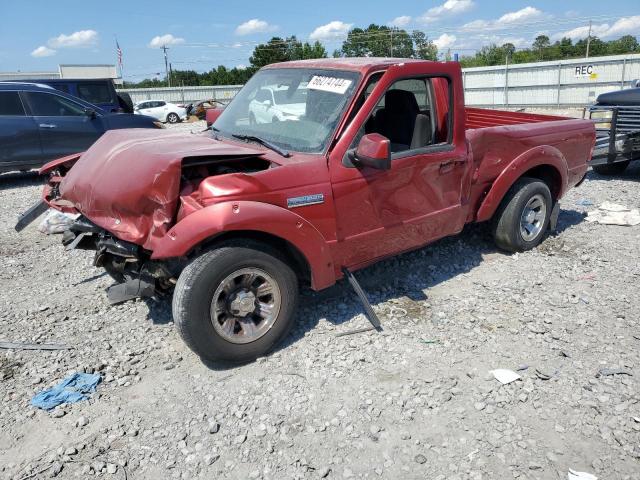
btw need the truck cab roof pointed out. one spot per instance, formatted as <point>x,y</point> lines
<point>358,64</point>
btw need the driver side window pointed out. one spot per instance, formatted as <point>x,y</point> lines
<point>404,115</point>
<point>407,116</point>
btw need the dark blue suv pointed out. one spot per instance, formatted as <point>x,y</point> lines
<point>39,123</point>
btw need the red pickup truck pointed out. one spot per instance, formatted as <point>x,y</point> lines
<point>362,159</point>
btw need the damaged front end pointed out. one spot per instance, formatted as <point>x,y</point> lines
<point>129,189</point>
<point>127,263</point>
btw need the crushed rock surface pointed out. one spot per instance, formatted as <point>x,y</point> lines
<point>415,401</point>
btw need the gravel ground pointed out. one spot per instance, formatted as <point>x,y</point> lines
<point>415,401</point>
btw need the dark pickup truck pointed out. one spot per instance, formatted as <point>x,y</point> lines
<point>380,158</point>
<point>617,117</point>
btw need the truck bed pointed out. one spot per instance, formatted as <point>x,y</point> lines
<point>482,118</point>
<point>497,138</point>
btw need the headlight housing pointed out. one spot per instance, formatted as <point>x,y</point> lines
<point>601,114</point>
<point>602,118</point>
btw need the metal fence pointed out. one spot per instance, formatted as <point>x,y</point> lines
<point>223,94</point>
<point>566,83</point>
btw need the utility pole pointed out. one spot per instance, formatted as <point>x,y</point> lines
<point>588,40</point>
<point>392,42</point>
<point>164,48</point>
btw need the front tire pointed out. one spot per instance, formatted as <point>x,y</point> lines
<point>522,219</point>
<point>611,168</point>
<point>235,302</point>
<point>173,118</point>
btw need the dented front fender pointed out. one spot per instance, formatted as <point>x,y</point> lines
<point>249,216</point>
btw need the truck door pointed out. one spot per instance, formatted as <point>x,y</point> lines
<point>420,198</point>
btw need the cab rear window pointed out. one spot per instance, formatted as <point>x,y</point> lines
<point>95,92</point>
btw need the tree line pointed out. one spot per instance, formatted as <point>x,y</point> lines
<point>543,50</point>
<point>383,41</point>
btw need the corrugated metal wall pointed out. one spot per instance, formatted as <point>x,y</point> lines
<point>567,83</point>
<point>183,94</point>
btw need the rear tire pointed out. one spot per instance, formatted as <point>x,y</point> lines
<point>522,219</point>
<point>173,118</point>
<point>216,287</point>
<point>611,168</point>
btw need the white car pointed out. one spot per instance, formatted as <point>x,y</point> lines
<point>274,104</point>
<point>163,111</point>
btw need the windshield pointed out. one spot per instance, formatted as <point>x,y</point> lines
<point>294,108</point>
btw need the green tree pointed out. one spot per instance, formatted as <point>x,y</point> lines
<point>274,51</point>
<point>378,41</point>
<point>596,47</point>
<point>423,47</point>
<point>540,44</point>
<point>509,49</point>
<point>625,44</point>
<point>297,50</point>
<point>281,50</point>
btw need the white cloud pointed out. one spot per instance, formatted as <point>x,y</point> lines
<point>82,38</point>
<point>450,7</point>
<point>331,30</point>
<point>523,15</point>
<point>623,26</point>
<point>254,26</point>
<point>401,21</point>
<point>445,41</point>
<point>510,19</point>
<point>165,40</point>
<point>43,51</point>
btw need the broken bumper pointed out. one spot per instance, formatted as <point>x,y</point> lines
<point>129,264</point>
<point>29,215</point>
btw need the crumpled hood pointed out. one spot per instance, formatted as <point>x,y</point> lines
<point>128,182</point>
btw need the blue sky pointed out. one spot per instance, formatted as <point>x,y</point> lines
<point>37,35</point>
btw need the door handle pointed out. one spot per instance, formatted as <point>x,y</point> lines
<point>47,125</point>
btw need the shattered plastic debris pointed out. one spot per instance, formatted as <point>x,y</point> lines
<point>613,214</point>
<point>505,376</point>
<point>71,390</point>
<point>56,222</point>
<point>574,475</point>
<point>584,202</point>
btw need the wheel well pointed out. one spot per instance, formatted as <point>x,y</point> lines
<point>549,175</point>
<point>294,257</point>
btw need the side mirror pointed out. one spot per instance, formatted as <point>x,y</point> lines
<point>90,112</point>
<point>374,151</point>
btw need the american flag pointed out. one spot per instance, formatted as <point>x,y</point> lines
<point>119,53</point>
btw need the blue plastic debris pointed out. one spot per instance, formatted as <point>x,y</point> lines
<point>584,202</point>
<point>71,390</point>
